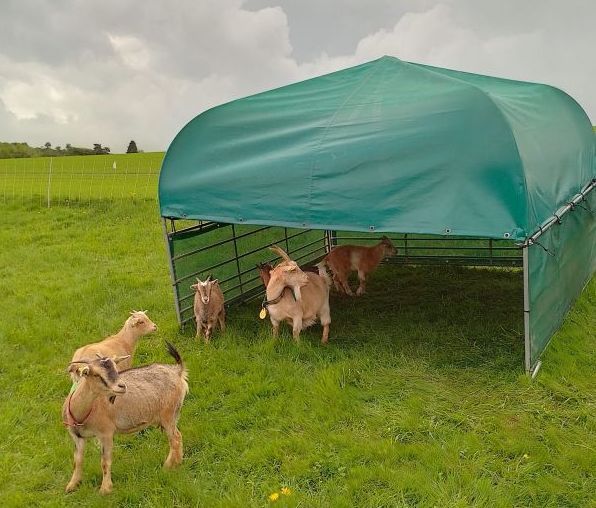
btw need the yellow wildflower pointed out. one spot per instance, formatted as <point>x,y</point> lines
<point>286,491</point>
<point>274,496</point>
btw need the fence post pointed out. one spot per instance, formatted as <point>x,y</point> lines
<point>50,181</point>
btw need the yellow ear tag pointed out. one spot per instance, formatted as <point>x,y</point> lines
<point>263,313</point>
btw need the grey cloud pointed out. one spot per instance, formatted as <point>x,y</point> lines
<point>82,72</point>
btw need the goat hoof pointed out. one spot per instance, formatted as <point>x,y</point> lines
<point>172,464</point>
<point>70,487</point>
<point>105,490</point>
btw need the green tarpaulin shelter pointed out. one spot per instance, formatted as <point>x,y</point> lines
<point>392,146</point>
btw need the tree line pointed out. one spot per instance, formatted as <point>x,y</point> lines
<point>23,150</point>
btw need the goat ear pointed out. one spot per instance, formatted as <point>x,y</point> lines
<point>214,281</point>
<point>81,370</point>
<point>118,359</point>
<point>195,287</point>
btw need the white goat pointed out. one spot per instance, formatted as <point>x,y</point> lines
<point>298,297</point>
<point>122,343</point>
<point>208,307</point>
<point>106,402</point>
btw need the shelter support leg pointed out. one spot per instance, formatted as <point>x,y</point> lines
<point>330,239</point>
<point>527,349</point>
<point>171,267</point>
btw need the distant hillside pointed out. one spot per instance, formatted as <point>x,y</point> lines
<point>23,150</point>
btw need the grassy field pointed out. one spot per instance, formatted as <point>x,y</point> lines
<point>79,179</point>
<point>419,399</point>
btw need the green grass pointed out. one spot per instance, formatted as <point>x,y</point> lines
<point>419,400</point>
<point>79,179</point>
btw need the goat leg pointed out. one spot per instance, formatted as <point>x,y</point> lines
<point>362,287</point>
<point>297,328</point>
<point>77,474</point>
<point>325,337</point>
<point>107,443</point>
<point>222,320</point>
<point>275,325</point>
<point>346,286</point>
<point>175,455</point>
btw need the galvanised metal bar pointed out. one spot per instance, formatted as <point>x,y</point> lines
<point>286,237</point>
<point>197,229</point>
<point>455,260</point>
<point>406,245</point>
<point>172,271</point>
<point>410,239</point>
<point>237,258</point>
<point>558,215</point>
<point>222,263</point>
<point>527,345</point>
<point>490,246</point>
<point>217,244</point>
<point>306,245</point>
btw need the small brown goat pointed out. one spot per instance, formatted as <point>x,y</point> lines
<point>348,258</point>
<point>208,307</point>
<point>106,402</point>
<point>282,301</point>
<point>121,344</point>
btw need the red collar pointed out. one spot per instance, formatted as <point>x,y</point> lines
<point>70,419</point>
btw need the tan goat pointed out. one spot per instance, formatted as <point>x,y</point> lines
<point>105,402</point>
<point>208,307</point>
<point>344,259</point>
<point>281,300</point>
<point>121,344</point>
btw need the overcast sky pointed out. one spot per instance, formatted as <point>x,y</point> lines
<point>81,72</point>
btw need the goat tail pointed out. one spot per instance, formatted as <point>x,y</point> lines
<point>174,353</point>
<point>183,372</point>
<point>321,266</point>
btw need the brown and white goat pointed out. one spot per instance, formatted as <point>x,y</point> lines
<point>283,303</point>
<point>344,259</point>
<point>122,343</point>
<point>208,307</point>
<point>106,402</point>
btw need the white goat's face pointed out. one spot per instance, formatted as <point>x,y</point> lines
<point>141,322</point>
<point>204,289</point>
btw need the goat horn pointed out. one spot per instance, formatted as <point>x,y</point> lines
<point>278,250</point>
<point>86,362</point>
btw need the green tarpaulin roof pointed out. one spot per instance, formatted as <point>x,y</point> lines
<point>388,146</point>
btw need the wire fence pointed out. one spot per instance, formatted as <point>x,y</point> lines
<point>48,181</point>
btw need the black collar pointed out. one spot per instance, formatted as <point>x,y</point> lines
<point>266,302</point>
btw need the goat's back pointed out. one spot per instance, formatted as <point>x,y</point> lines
<point>151,391</point>
<point>344,258</point>
<point>315,295</point>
